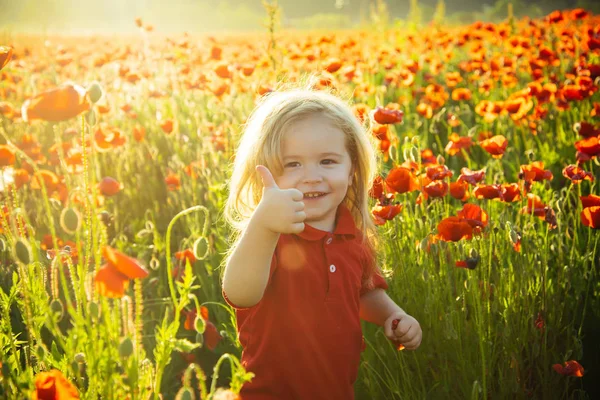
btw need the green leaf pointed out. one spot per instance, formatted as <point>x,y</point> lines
<point>184,345</point>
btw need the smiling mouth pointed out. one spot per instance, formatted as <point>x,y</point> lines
<point>314,195</point>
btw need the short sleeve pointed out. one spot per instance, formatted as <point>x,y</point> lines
<point>271,272</point>
<point>372,277</point>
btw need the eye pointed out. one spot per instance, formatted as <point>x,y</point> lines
<point>292,164</point>
<point>328,161</point>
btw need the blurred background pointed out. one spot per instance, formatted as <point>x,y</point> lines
<point>116,16</point>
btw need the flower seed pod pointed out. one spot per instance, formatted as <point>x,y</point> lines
<point>126,347</point>
<point>22,251</point>
<point>57,308</point>
<point>70,220</point>
<point>185,394</point>
<point>94,92</point>
<point>200,248</point>
<point>199,324</point>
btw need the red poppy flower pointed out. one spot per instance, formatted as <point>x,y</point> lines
<point>186,255</point>
<point>438,172</point>
<point>471,177</point>
<point>59,104</point>
<point>459,190</point>
<point>5,55</point>
<point>589,146</point>
<point>109,186</point>
<point>436,188</point>
<point>387,116</point>
<point>495,145</point>
<point>590,216</point>
<point>457,143</point>
<point>473,215</point>
<point>383,213</point>
<point>7,156</point>
<point>173,182</point>
<point>535,172</point>
<point>488,192</point>
<point>576,174</point>
<point>453,229</point>
<point>376,191</point>
<point>570,368</point>
<point>586,130</point>
<point>112,279</point>
<point>590,201</point>
<point>401,180</point>
<point>510,192</point>
<point>53,385</point>
<point>167,126</point>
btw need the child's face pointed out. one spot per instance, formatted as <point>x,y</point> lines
<point>316,162</point>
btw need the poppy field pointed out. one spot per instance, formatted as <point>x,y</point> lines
<point>115,153</point>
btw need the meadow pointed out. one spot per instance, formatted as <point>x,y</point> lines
<point>115,153</point>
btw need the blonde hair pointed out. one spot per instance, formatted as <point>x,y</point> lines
<point>261,145</point>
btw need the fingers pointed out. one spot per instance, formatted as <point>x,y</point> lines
<point>300,216</point>
<point>297,227</point>
<point>296,194</point>
<point>266,176</point>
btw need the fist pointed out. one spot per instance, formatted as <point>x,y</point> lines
<point>279,210</point>
<point>404,330</point>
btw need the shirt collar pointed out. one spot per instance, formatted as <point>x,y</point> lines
<point>344,226</point>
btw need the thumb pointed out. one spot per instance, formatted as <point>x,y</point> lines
<point>266,176</point>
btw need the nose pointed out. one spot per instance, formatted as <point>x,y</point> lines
<point>312,175</point>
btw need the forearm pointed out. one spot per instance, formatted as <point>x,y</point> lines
<point>376,306</point>
<point>247,271</point>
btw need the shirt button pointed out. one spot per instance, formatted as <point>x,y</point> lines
<point>332,268</point>
<point>329,240</point>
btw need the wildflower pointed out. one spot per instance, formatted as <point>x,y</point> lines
<point>590,216</point>
<point>495,145</point>
<point>453,229</point>
<point>401,180</point>
<point>109,186</point>
<point>387,212</point>
<point>457,143</point>
<point>53,385</point>
<point>7,156</point>
<point>570,368</point>
<point>112,279</point>
<point>5,55</point>
<point>471,177</point>
<point>59,104</point>
<point>576,174</point>
<point>387,116</point>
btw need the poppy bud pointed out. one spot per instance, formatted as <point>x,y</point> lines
<point>70,220</point>
<point>57,308</point>
<point>473,253</point>
<point>514,236</point>
<point>94,91</point>
<point>414,141</point>
<point>41,352</point>
<point>185,394</point>
<point>199,324</point>
<point>154,263</point>
<point>3,246</point>
<point>79,358</point>
<point>94,310</point>
<point>200,248</point>
<point>126,347</point>
<point>22,251</point>
<point>440,159</point>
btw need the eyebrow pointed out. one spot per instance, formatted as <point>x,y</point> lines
<point>321,155</point>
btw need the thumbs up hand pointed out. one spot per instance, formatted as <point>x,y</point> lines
<point>279,210</point>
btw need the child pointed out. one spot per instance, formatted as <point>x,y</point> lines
<point>302,272</point>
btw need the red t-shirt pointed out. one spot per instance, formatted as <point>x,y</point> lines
<point>303,339</point>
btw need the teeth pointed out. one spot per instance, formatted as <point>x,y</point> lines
<point>313,194</point>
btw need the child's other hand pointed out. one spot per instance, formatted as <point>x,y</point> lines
<point>280,210</point>
<point>407,330</point>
